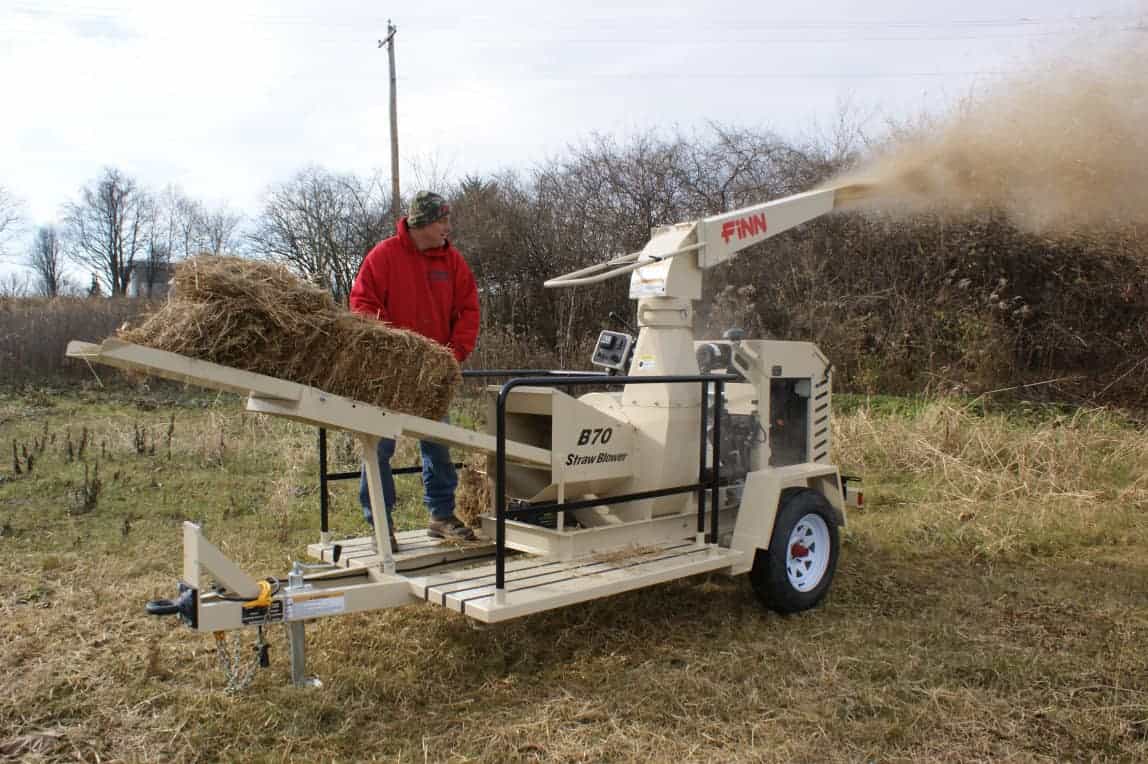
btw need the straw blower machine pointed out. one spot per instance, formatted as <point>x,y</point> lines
<point>686,456</point>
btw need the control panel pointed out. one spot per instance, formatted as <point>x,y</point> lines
<point>613,351</point>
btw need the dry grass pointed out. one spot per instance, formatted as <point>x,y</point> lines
<point>998,486</point>
<point>1016,634</point>
<point>34,333</point>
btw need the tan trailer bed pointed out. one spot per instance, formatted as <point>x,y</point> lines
<point>446,574</point>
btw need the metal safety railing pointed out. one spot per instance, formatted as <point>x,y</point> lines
<point>326,477</point>
<point>707,481</point>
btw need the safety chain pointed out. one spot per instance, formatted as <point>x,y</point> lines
<point>239,676</point>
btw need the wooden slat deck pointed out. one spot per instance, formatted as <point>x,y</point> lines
<point>417,551</point>
<point>536,584</point>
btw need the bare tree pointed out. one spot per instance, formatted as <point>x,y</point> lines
<point>16,284</point>
<point>429,172</point>
<point>218,227</point>
<point>180,228</point>
<point>175,225</point>
<point>151,274</point>
<point>602,199</point>
<point>46,259</point>
<point>110,228</point>
<point>9,215</point>
<point>733,168</point>
<point>322,225</point>
<point>843,138</point>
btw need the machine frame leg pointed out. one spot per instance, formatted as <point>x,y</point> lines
<point>375,488</point>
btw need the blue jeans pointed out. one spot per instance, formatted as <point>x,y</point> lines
<point>439,480</point>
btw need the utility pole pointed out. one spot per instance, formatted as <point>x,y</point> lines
<point>390,43</point>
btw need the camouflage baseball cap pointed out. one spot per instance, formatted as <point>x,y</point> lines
<point>426,208</point>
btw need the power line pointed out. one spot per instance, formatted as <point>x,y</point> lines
<point>26,34</point>
<point>356,22</point>
<point>738,76</point>
<point>295,77</point>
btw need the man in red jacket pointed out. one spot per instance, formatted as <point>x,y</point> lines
<point>416,280</point>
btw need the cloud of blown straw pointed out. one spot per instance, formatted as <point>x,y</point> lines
<point>1059,148</point>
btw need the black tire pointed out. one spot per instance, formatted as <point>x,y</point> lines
<point>794,574</point>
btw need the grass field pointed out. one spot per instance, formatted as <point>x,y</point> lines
<point>991,604</point>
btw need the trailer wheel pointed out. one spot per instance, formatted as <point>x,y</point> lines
<point>794,574</point>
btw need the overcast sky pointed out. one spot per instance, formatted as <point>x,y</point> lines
<point>224,98</point>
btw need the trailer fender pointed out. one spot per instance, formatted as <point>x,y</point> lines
<point>761,497</point>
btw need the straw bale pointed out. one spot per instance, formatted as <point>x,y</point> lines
<point>474,496</point>
<point>271,286</point>
<point>258,317</point>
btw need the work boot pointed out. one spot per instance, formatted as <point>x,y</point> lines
<point>450,528</point>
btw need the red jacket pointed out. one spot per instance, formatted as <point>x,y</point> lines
<point>431,292</point>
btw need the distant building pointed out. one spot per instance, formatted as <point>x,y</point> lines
<point>149,279</point>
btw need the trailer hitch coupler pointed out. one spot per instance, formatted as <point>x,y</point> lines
<point>183,605</point>
<point>162,607</point>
